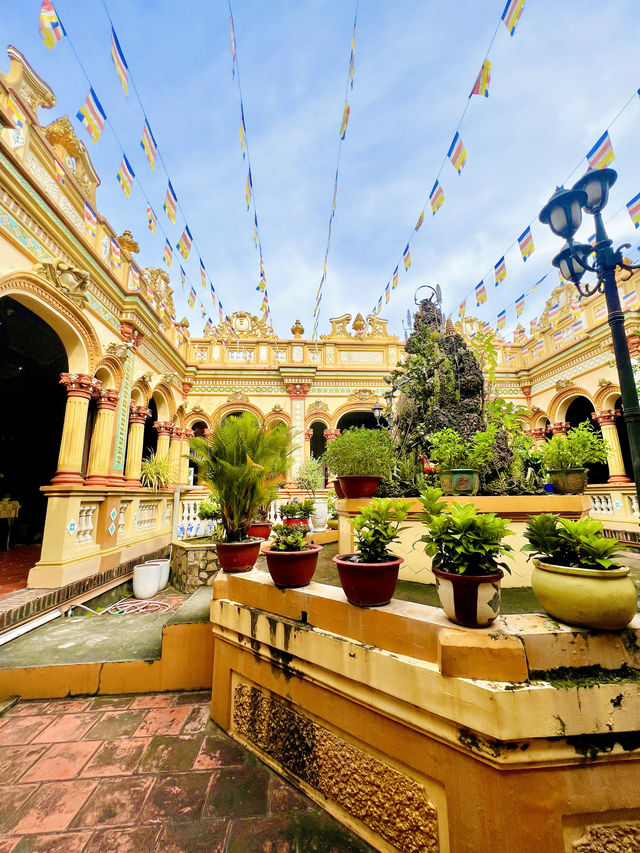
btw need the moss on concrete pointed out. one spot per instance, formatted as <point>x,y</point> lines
<point>565,677</point>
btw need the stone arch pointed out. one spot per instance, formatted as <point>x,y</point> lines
<point>606,397</point>
<point>228,408</point>
<point>140,392</point>
<point>110,372</point>
<point>193,417</point>
<point>348,408</point>
<point>163,398</point>
<point>560,403</point>
<point>539,420</point>
<point>275,417</point>
<point>60,312</point>
<point>312,417</point>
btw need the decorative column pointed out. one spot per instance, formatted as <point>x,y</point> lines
<point>538,436</point>
<point>607,421</point>
<point>308,435</point>
<point>137,417</point>
<point>164,430</point>
<point>561,428</point>
<point>100,452</point>
<point>297,392</point>
<point>175,452</point>
<point>184,458</point>
<point>80,389</point>
<point>331,434</point>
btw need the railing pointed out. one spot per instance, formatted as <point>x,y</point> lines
<point>84,532</point>
<point>147,514</point>
<point>616,506</point>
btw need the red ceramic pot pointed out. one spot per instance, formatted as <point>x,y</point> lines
<point>261,529</point>
<point>238,556</point>
<point>291,569</point>
<point>368,584</point>
<point>338,488</point>
<point>293,522</point>
<point>359,486</point>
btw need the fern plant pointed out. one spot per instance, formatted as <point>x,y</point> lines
<point>579,544</point>
<point>155,472</point>
<point>242,461</point>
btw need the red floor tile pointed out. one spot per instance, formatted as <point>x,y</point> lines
<point>23,709</point>
<point>155,700</point>
<point>21,730</point>
<point>161,721</point>
<point>115,724</point>
<point>137,840</point>
<point>196,721</point>
<point>63,842</point>
<point>67,706</point>
<point>203,836</point>
<point>179,797</point>
<point>67,727</point>
<point>109,703</point>
<point>51,808</point>
<point>11,798</point>
<point>14,760</point>
<point>218,751</point>
<point>119,758</point>
<point>116,801</point>
<point>8,845</point>
<point>169,754</point>
<point>61,761</point>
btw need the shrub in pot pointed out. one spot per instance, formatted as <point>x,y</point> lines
<point>459,461</point>
<point>241,460</point>
<point>565,457</point>
<point>465,546</point>
<point>209,510</point>
<point>290,560</point>
<point>360,458</point>
<point>369,576</point>
<point>310,477</point>
<point>576,579</point>
<point>296,512</point>
<point>155,472</point>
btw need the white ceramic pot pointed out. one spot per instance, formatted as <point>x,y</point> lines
<point>319,515</point>
<point>165,569</point>
<point>146,580</point>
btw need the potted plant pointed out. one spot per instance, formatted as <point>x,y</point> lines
<point>565,457</point>
<point>296,512</point>
<point>360,458</point>
<point>209,510</point>
<point>332,523</point>
<point>369,576</point>
<point>241,460</point>
<point>465,547</point>
<point>459,461</point>
<point>310,477</point>
<point>290,560</point>
<point>155,472</point>
<point>575,578</point>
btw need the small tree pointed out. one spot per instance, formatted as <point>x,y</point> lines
<point>310,477</point>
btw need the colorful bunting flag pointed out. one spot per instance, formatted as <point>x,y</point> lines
<point>202,311</point>
<point>525,241</point>
<point>248,188</point>
<point>92,116</point>
<point>352,66</point>
<point>502,319</point>
<point>630,301</point>
<point>148,144</point>
<point>511,14</point>
<point>233,47</point>
<point>345,119</point>
<point>151,219</point>
<point>534,327</point>
<point>203,274</point>
<point>168,253</point>
<point>519,305</point>
<point>436,197</point>
<point>540,346</point>
<point>536,286</point>
<point>192,298</point>
<point>255,232</point>
<point>394,281</point>
<point>462,309</point>
<point>633,207</point>
<point>379,306</point>
<point>457,154</point>
<point>500,271</point>
<point>170,204</point>
<point>420,221</point>
<point>60,173</point>
<point>213,295</point>
<point>601,155</point>
<point>577,327</point>
<point>600,313</point>
<point>575,309</point>
<point>558,335</point>
<point>183,280</point>
<point>17,115</point>
<point>90,220</point>
<point>486,328</point>
<point>518,335</point>
<point>115,253</point>
<point>481,294</point>
<point>50,26</point>
<point>406,257</point>
<point>481,86</point>
<point>161,310</point>
<point>126,176</point>
<point>208,326</point>
<point>387,293</point>
<point>184,243</point>
<point>119,61</point>
<point>135,278</point>
<point>554,314</point>
<point>243,132</point>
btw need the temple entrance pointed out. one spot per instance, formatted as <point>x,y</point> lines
<point>358,419</point>
<point>578,411</point>
<point>32,358</point>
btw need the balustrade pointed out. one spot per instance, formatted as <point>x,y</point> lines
<point>84,532</point>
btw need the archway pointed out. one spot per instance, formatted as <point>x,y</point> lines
<point>358,418</point>
<point>32,357</point>
<point>318,441</point>
<point>150,436</point>
<point>198,428</point>
<point>578,411</point>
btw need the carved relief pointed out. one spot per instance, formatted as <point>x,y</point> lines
<point>126,241</point>
<point>562,383</point>
<point>562,295</point>
<point>339,327</point>
<point>359,325</point>
<point>72,281</point>
<point>318,406</point>
<point>606,838</point>
<point>73,154</point>
<point>377,327</point>
<point>121,351</point>
<point>237,397</point>
<point>170,378</point>
<point>363,394</point>
<point>243,324</point>
<point>157,281</point>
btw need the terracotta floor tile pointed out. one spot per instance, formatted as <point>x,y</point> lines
<point>118,758</point>
<point>284,798</point>
<point>63,842</point>
<point>219,751</point>
<point>201,836</point>
<point>115,802</point>
<point>196,721</point>
<point>263,833</point>
<point>21,729</point>
<point>66,728</point>
<point>51,808</point>
<point>28,708</point>
<point>61,761</point>
<point>108,703</point>
<point>198,697</point>
<point>168,754</point>
<point>155,700</point>
<point>238,792</point>
<point>8,845</point>
<point>139,840</point>
<point>161,721</point>
<point>115,724</point>
<point>67,706</point>
<point>14,760</point>
<point>179,797</point>
<point>12,797</point>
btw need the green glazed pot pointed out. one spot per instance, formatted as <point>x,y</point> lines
<point>459,481</point>
<point>568,481</point>
<point>606,600</point>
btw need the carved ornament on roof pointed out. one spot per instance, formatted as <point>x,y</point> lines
<point>72,281</point>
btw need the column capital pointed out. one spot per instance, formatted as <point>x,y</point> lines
<point>80,385</point>
<point>180,433</point>
<point>308,433</point>
<point>331,434</point>
<point>108,399</point>
<point>298,390</point>
<point>536,434</point>
<point>187,385</point>
<point>130,334</point>
<point>163,427</point>
<point>561,428</point>
<point>138,414</point>
<point>607,417</point>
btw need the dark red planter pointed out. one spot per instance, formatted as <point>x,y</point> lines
<point>291,569</point>
<point>368,584</point>
<point>261,529</point>
<point>359,486</point>
<point>292,522</point>
<point>238,556</point>
<point>338,488</point>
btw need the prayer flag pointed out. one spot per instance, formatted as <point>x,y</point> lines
<point>50,26</point>
<point>213,295</point>
<point>577,327</point>
<point>394,281</point>
<point>233,47</point>
<point>633,207</point>
<point>511,14</point>
<point>148,144</point>
<point>554,314</point>
<point>184,243</point>
<point>202,311</point>
<point>601,155</point>
<point>537,284</point>
<point>135,278</point>
<point>540,346</point>
<point>462,308</point>
<point>575,309</point>
<point>534,327</point>
<point>161,310</point>
<point>379,306</point>
<point>15,112</point>
<point>60,173</point>
<point>518,335</point>
<point>387,293</point>
<point>151,219</point>
<point>208,326</point>
<point>248,188</point>
<point>119,61</point>
<point>203,275</point>
<point>192,298</point>
<point>170,204</point>
<point>519,305</point>
<point>502,319</point>
<point>486,328</point>
<point>126,176</point>
<point>500,271</point>
<point>525,241</point>
<point>345,119</point>
<point>255,230</point>
<point>558,335</point>
<point>183,279</point>
<point>481,86</point>
<point>481,294</point>
<point>600,312</point>
<point>168,253</point>
<point>457,154</point>
<point>420,221</point>
<point>243,132</point>
<point>115,253</point>
<point>406,257</point>
<point>90,220</point>
<point>92,116</point>
<point>436,197</point>
<point>630,301</point>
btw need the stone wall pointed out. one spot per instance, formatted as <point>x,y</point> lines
<point>193,565</point>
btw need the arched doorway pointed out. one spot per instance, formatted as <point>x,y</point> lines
<point>198,428</point>
<point>32,357</point>
<point>150,439</point>
<point>364,418</point>
<point>578,411</point>
<point>318,442</point>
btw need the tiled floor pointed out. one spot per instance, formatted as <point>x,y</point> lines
<point>14,568</point>
<point>129,774</point>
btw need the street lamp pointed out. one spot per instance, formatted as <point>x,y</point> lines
<point>377,412</point>
<point>563,214</point>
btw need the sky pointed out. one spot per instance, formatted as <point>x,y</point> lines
<point>556,86</point>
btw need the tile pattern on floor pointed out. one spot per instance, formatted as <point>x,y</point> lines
<point>146,773</point>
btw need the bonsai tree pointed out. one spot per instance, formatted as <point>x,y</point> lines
<point>461,540</point>
<point>360,451</point>
<point>241,460</point>
<point>579,544</point>
<point>376,527</point>
<point>310,477</point>
<point>288,538</point>
<point>155,472</point>
<point>582,446</point>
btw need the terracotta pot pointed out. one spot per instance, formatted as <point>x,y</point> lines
<point>359,485</point>
<point>460,481</point>
<point>261,529</point>
<point>568,481</point>
<point>238,556</point>
<point>291,569</point>
<point>605,600</point>
<point>471,600</point>
<point>338,488</point>
<point>293,522</point>
<point>368,584</point>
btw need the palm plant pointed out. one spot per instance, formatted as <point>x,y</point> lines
<point>242,461</point>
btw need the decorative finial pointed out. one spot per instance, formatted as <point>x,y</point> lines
<point>127,242</point>
<point>297,330</point>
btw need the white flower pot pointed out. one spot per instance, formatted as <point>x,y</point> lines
<point>319,515</point>
<point>165,569</point>
<point>146,580</point>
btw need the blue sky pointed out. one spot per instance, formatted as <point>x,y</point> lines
<point>415,64</point>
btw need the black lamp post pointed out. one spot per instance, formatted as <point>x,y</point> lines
<point>563,214</point>
<point>377,412</point>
